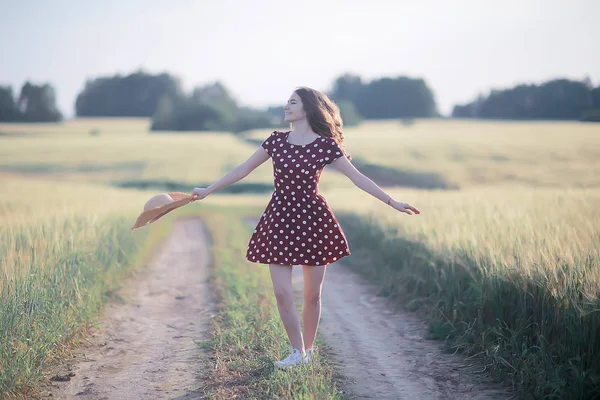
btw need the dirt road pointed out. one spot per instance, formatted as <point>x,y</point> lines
<point>147,348</point>
<point>383,353</point>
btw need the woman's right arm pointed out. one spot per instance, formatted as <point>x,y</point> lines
<point>236,174</point>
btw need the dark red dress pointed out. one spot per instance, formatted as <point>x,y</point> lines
<point>298,227</point>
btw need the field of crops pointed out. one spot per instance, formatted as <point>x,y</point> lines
<point>505,257</point>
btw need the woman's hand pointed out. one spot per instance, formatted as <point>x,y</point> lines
<point>200,193</point>
<point>404,207</point>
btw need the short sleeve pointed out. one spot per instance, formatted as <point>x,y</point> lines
<point>333,151</point>
<point>269,143</point>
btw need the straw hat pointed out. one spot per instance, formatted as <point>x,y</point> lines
<point>161,204</point>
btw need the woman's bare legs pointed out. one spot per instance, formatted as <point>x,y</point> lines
<point>313,284</point>
<point>281,275</point>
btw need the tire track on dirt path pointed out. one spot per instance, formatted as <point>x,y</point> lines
<point>384,353</point>
<point>381,350</point>
<point>148,348</point>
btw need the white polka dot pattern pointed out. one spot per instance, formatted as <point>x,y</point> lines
<point>298,226</point>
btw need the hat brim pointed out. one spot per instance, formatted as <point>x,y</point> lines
<point>150,216</point>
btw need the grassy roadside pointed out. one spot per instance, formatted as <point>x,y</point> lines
<point>248,334</point>
<point>539,332</point>
<point>62,261</point>
<point>63,252</point>
<point>59,289</point>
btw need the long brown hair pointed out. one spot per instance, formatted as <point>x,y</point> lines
<point>323,115</point>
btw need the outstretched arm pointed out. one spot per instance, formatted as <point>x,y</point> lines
<point>236,174</point>
<point>363,182</point>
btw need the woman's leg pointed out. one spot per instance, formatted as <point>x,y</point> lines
<point>281,275</point>
<point>313,284</point>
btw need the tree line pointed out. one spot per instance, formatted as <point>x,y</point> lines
<point>36,103</point>
<point>212,107</point>
<point>558,99</point>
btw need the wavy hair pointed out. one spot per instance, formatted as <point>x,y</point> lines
<point>323,115</point>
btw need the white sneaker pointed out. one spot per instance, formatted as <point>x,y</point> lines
<point>310,353</point>
<point>293,360</point>
<point>308,358</point>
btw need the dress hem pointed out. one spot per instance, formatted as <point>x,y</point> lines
<point>298,264</point>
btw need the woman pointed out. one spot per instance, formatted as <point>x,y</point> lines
<point>298,227</point>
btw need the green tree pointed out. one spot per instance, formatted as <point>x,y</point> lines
<point>346,87</point>
<point>276,115</point>
<point>208,108</point>
<point>400,97</point>
<point>37,103</point>
<point>134,95</point>
<point>350,115</point>
<point>595,95</point>
<point>8,108</point>
<point>558,99</point>
<point>165,114</point>
<point>217,97</point>
<point>248,118</point>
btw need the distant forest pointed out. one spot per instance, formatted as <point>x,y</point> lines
<point>212,107</point>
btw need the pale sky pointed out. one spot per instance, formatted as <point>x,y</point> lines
<point>261,50</point>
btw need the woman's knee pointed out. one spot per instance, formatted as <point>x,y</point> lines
<point>312,296</point>
<point>283,295</point>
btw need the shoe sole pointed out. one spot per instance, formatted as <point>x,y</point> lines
<point>286,366</point>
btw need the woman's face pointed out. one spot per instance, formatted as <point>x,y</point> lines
<point>293,109</point>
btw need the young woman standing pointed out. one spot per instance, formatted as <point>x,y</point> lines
<point>298,227</point>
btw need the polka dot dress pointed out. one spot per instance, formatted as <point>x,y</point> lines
<point>298,227</point>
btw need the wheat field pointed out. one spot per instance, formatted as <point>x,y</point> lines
<point>525,207</point>
<point>480,153</point>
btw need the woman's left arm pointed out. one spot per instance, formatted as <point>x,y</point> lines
<point>343,165</point>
